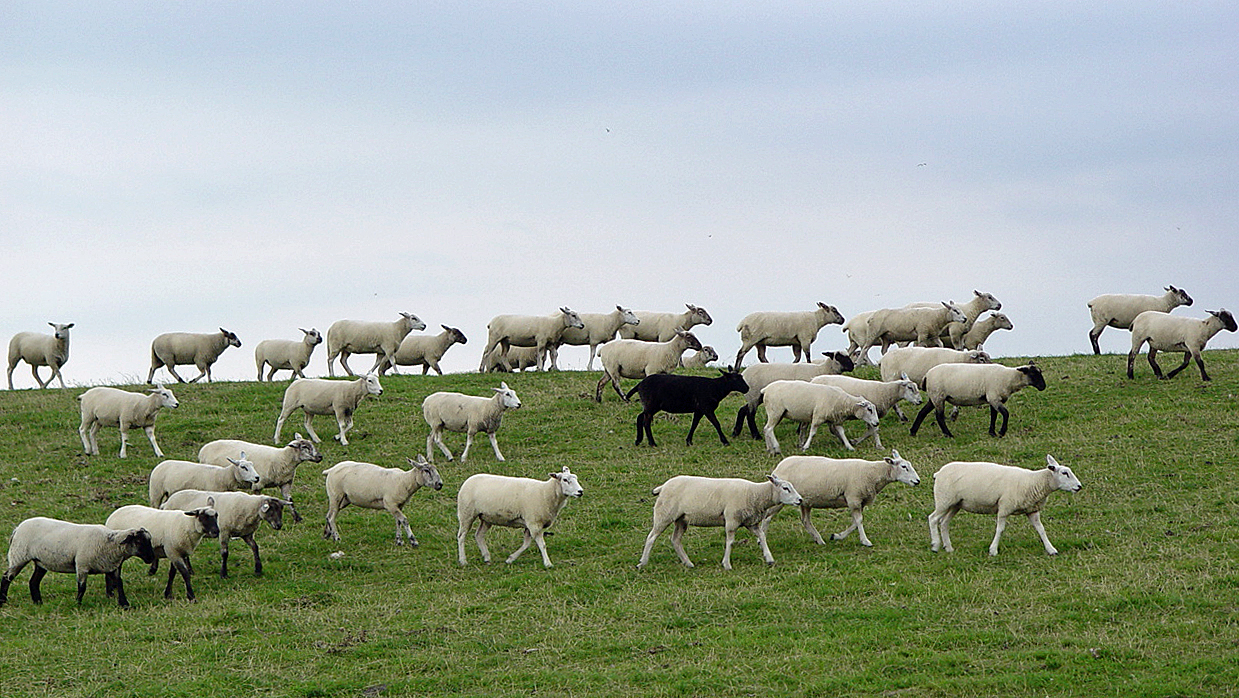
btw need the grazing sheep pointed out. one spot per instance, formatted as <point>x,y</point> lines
<point>661,327</point>
<point>174,535</point>
<point>599,328</point>
<point>772,329</point>
<point>106,407</point>
<point>813,405</point>
<point>275,465</point>
<point>420,350</point>
<point>467,414</point>
<point>282,354</point>
<point>915,362</point>
<point>687,500</point>
<point>990,488</point>
<point>179,348</point>
<point>700,358</point>
<point>39,349</point>
<point>176,475</point>
<point>1165,332</point>
<point>346,337</point>
<point>969,385</point>
<point>1120,309</point>
<point>322,396</point>
<point>373,487</point>
<point>884,395</point>
<point>759,376</point>
<point>683,394</point>
<point>515,359</point>
<point>72,548</point>
<point>982,329</point>
<point>239,516</point>
<point>924,325</point>
<point>540,331</point>
<point>635,358</point>
<point>515,502</point>
<point>835,483</point>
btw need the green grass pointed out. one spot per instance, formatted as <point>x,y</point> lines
<point>1142,599</point>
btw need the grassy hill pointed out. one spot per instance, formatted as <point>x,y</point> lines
<point>1142,599</point>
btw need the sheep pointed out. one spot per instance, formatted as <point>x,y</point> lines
<point>174,535</point>
<point>1165,332</point>
<point>1120,309</point>
<point>661,327</point>
<point>73,548</point>
<point>275,465</point>
<point>37,349</point>
<point>635,358</point>
<point>700,358</point>
<point>967,385</point>
<point>982,329</point>
<point>420,350</point>
<point>106,407</point>
<point>979,303</point>
<point>286,354</point>
<point>515,502</point>
<point>599,328</point>
<point>176,475</point>
<point>915,362</point>
<point>759,376</point>
<point>883,394</point>
<point>468,414</point>
<point>239,516</point>
<point>773,329</point>
<point>924,325</point>
<point>514,359</point>
<point>813,405</point>
<point>177,348</point>
<point>373,487</point>
<point>346,337</point>
<point>680,394</point>
<point>835,483</point>
<point>541,331</point>
<point>323,396</point>
<point>990,488</point>
<point>687,500</point>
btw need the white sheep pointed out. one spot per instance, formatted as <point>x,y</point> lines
<point>282,354</point>
<point>426,351</point>
<point>323,396</point>
<point>970,385</point>
<point>661,327</point>
<point>688,500</point>
<point>467,414</point>
<point>107,407</point>
<point>915,362</point>
<point>813,405</point>
<point>239,516</point>
<point>1120,309</point>
<point>1165,332</point>
<point>700,358</point>
<point>180,348</point>
<point>540,331</point>
<point>515,359</point>
<point>599,329</point>
<point>884,395</point>
<point>760,375</point>
<point>921,324</point>
<point>635,358</point>
<point>515,502</point>
<point>979,303</point>
<point>990,488</point>
<point>370,486</point>
<point>784,329</point>
<point>174,535</point>
<point>72,548</point>
<point>276,465</point>
<point>837,483</point>
<point>38,349</point>
<point>176,475</point>
<point>346,337</point>
<point>982,329</point>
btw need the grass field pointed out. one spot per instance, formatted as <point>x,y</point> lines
<point>1143,599</point>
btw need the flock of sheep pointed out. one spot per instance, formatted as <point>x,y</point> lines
<point>189,500</point>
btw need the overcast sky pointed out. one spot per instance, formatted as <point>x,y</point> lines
<point>268,166</point>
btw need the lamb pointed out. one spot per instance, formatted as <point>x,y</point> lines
<point>915,362</point>
<point>635,358</point>
<point>346,337</point>
<point>599,328</point>
<point>420,350</point>
<point>835,483</point>
<point>1120,309</point>
<point>700,358</point>
<point>515,502</point>
<point>468,414</point>
<point>759,376</point>
<point>239,516</point>
<point>687,500</point>
<point>104,406</point>
<point>275,465</point>
<point>990,488</point>
<point>176,475</point>
<point>373,487</point>
<point>37,349</point>
<point>514,359</point>
<point>967,385</point>
<point>178,348</point>
<point>982,329</point>
<point>661,327</point>
<point>924,325</point>
<point>1165,332</point>
<point>813,405</point>
<point>322,396</point>
<point>541,331</point>
<point>282,354</point>
<point>884,395</point>
<point>681,394</point>
<point>73,548</point>
<point>174,535</point>
<point>773,329</point>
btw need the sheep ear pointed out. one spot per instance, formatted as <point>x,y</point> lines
<point>445,327</point>
<point>234,462</point>
<point>266,506</point>
<point>1050,462</point>
<point>895,454</point>
<point>211,502</point>
<point>772,478</point>
<point>556,476</point>
<point>903,375</point>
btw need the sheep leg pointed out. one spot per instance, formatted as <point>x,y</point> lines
<point>494,444</point>
<point>744,349</point>
<point>761,353</point>
<point>179,565</point>
<point>309,427</point>
<point>172,369</point>
<point>843,437</point>
<point>36,578</point>
<point>113,579</point>
<point>693,428</point>
<point>528,538</point>
<point>1157,370</point>
<point>203,371</point>
<point>1187,359</point>
<point>344,363</point>
<point>641,429</point>
<point>540,541</point>
<point>334,506</point>
<point>994,411</point>
<point>729,538</point>
<point>920,417</point>
<point>1034,518</point>
<point>757,530</point>
<point>1093,334</point>
<point>1131,360</point>
<point>807,522</point>
<point>462,531</point>
<point>677,541</point>
<point>11,367</point>
<point>945,526</point>
<point>480,538</point>
<point>253,547</point>
<point>34,369</point>
<point>150,435</point>
<point>344,422</point>
<point>82,575</point>
<point>940,416</point>
<point>772,442</point>
<point>88,438</point>
<point>765,522</point>
<point>871,431</point>
<point>593,349</point>
<point>464,455</point>
<point>124,440</point>
<point>286,493</point>
<point>858,524</point>
<point>223,555</point>
<point>1002,524</point>
<point>402,526</point>
<point>717,427</point>
<point>436,436</point>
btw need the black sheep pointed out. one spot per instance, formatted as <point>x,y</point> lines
<point>683,394</point>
